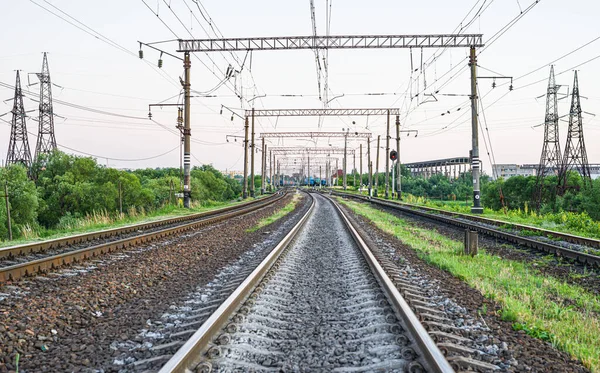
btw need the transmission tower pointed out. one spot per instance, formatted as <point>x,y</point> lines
<point>46,142</point>
<point>551,160</point>
<point>18,147</point>
<point>575,156</point>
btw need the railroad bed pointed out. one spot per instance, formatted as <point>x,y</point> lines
<point>320,301</point>
<point>582,249</point>
<point>39,257</point>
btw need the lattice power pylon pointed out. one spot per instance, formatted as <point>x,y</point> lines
<point>46,141</point>
<point>18,147</point>
<point>551,159</point>
<point>575,156</point>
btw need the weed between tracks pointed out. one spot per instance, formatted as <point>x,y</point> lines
<point>277,214</point>
<point>542,306</point>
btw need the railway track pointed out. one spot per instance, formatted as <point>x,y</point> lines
<point>492,228</point>
<point>321,300</point>
<point>40,257</point>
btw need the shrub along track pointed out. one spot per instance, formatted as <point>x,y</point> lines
<point>67,321</point>
<point>522,352</point>
<point>36,257</point>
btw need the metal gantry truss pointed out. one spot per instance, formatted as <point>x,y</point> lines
<point>311,135</point>
<point>332,42</point>
<point>305,150</point>
<point>321,112</point>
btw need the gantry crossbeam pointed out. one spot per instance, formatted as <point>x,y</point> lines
<point>332,42</point>
<point>320,112</point>
<point>316,134</point>
<point>302,150</point>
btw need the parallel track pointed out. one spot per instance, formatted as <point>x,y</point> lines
<point>174,226</point>
<point>204,344</point>
<point>461,221</point>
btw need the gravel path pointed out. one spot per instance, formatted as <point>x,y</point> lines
<point>494,339</point>
<point>321,310</point>
<point>68,320</point>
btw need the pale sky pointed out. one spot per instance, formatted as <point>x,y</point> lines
<point>96,75</point>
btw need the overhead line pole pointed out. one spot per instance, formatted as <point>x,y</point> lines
<point>369,167</point>
<point>387,158</point>
<point>263,166</point>
<point>398,181</point>
<point>252,151</point>
<point>187,133</point>
<point>377,166</point>
<point>245,180</point>
<point>475,165</point>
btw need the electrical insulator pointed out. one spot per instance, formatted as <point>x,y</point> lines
<point>179,116</point>
<point>160,63</point>
<point>141,54</point>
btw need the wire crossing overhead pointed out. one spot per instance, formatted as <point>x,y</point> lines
<point>311,135</point>
<point>320,112</point>
<point>332,42</point>
<point>300,150</point>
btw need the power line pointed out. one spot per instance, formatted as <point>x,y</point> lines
<point>88,30</point>
<point>100,156</point>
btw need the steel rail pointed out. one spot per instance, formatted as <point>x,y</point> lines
<point>34,247</point>
<point>190,354</point>
<point>17,271</point>
<point>434,358</point>
<point>451,219</point>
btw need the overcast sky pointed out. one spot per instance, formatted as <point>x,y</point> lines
<point>92,73</point>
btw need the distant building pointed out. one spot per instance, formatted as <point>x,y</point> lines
<point>509,170</point>
<point>232,174</point>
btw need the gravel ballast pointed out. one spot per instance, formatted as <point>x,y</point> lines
<point>68,319</point>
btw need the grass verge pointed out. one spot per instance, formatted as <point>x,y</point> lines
<point>542,306</point>
<point>277,214</point>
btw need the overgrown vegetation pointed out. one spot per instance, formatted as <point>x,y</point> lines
<point>542,306</point>
<point>277,214</point>
<point>76,193</point>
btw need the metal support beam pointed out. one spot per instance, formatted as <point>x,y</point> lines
<point>302,150</point>
<point>332,42</point>
<point>311,135</point>
<point>321,112</point>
